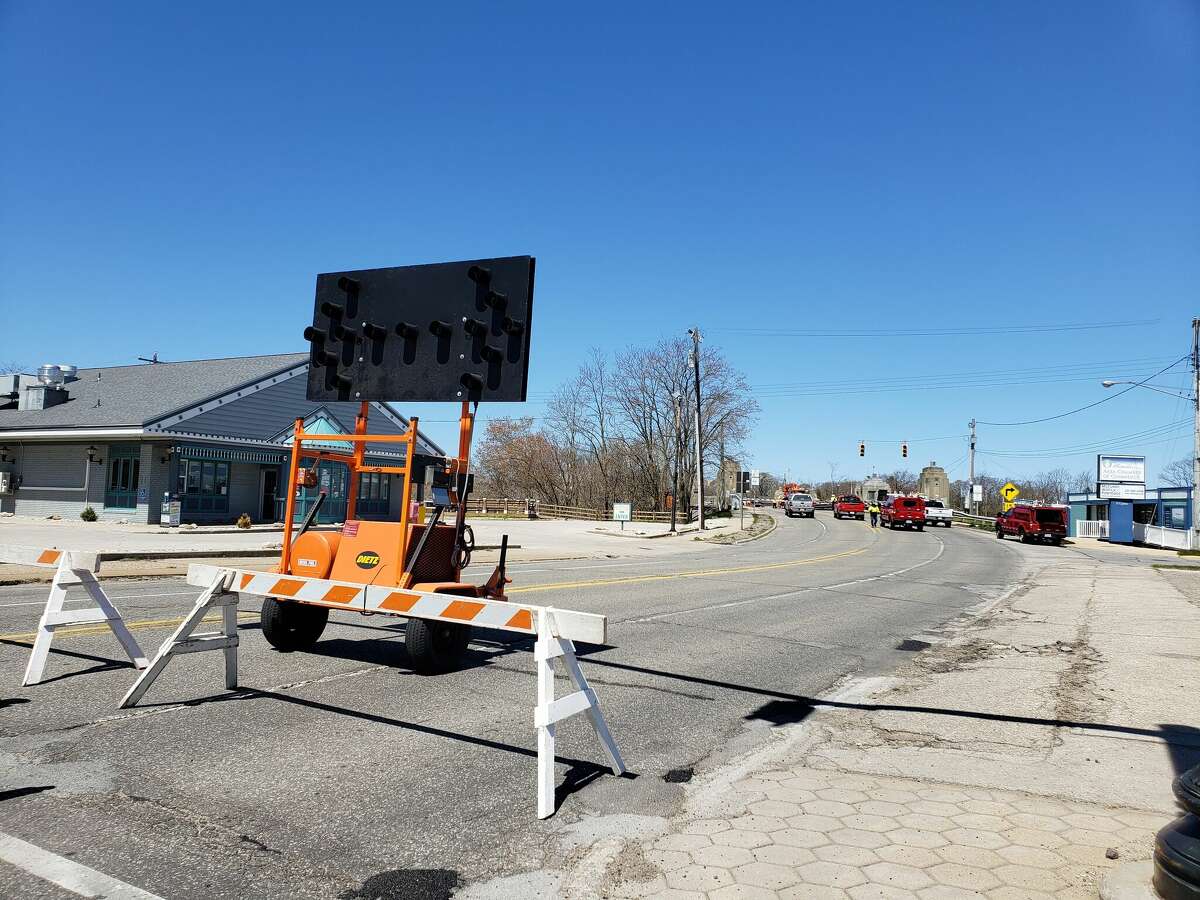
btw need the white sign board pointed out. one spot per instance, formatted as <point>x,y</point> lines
<point>1112,491</point>
<point>1121,468</point>
<point>754,477</point>
<point>622,512</point>
<point>977,493</point>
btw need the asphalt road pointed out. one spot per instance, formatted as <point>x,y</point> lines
<point>340,773</point>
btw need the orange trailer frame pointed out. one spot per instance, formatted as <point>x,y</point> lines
<point>354,459</point>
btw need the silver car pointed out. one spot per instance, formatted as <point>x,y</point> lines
<point>799,505</point>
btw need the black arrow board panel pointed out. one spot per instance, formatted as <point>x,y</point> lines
<point>448,331</point>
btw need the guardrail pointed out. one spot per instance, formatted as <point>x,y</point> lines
<point>981,520</point>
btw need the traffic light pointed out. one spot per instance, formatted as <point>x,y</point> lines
<point>904,451</point>
<point>862,448</point>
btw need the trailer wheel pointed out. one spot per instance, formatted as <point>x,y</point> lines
<point>435,647</point>
<point>288,625</point>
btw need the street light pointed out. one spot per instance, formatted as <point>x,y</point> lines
<point>1109,383</point>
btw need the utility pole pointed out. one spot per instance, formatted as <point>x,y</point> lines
<point>695,333</point>
<point>721,495</point>
<point>971,470</point>
<point>1196,434</point>
<point>675,399</point>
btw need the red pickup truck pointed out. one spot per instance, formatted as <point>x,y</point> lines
<point>903,512</point>
<point>1046,524</point>
<point>849,507</point>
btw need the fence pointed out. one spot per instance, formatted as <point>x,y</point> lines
<point>1159,536</point>
<point>536,509</point>
<point>1092,528</point>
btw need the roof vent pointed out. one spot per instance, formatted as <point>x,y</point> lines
<point>50,374</point>
<point>69,372</point>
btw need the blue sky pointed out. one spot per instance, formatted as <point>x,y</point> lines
<point>174,176</point>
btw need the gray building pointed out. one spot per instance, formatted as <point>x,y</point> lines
<point>875,489</point>
<point>216,432</point>
<point>934,483</point>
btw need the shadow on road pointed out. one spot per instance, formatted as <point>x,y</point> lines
<point>788,709</point>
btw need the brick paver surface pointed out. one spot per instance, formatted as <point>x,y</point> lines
<point>814,833</point>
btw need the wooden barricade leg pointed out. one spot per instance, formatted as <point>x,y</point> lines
<point>183,641</point>
<point>54,616</point>
<point>550,711</point>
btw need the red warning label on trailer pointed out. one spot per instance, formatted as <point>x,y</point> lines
<point>350,529</point>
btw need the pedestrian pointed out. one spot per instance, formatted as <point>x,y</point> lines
<point>873,509</point>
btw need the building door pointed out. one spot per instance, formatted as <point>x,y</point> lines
<point>270,490</point>
<point>333,478</point>
<point>1120,522</point>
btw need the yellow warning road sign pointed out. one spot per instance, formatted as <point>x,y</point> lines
<point>1010,492</point>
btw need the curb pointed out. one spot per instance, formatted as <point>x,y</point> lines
<point>741,540</point>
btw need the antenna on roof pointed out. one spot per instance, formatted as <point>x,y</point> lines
<point>99,378</point>
<point>153,358</point>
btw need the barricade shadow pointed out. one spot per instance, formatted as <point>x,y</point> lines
<point>106,664</point>
<point>579,774</point>
<point>788,709</point>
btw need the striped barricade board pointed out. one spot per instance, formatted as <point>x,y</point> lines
<point>72,567</point>
<point>478,611</point>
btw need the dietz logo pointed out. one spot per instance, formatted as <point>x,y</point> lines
<point>368,559</point>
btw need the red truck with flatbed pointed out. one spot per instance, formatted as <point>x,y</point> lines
<point>903,512</point>
<point>849,507</point>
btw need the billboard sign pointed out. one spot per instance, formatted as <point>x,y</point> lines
<point>1121,468</point>
<point>1111,490</point>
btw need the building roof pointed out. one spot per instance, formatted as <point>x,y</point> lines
<point>138,395</point>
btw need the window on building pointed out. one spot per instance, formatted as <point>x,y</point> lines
<point>374,493</point>
<point>203,485</point>
<point>124,469</point>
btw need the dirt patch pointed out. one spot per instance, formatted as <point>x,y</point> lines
<point>630,865</point>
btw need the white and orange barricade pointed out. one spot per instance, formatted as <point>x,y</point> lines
<point>72,567</point>
<point>556,631</point>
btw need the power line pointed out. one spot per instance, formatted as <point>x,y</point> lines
<point>940,332</point>
<point>1090,405</point>
<point>1139,436</point>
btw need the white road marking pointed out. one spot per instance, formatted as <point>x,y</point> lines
<point>67,874</point>
<point>795,593</point>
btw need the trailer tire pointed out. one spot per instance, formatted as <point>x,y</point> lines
<point>920,528</point>
<point>288,625</point>
<point>433,646</point>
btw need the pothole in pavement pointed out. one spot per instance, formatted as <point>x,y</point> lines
<point>909,645</point>
<point>679,776</point>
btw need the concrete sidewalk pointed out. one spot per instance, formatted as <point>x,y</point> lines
<point>1024,754</point>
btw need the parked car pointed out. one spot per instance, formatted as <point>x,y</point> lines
<point>849,507</point>
<point>1046,524</point>
<point>799,505</point>
<point>903,512</point>
<point>936,513</point>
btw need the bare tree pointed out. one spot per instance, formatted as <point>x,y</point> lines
<point>1177,473</point>
<point>11,368</point>
<point>1083,481</point>
<point>902,481</point>
<point>610,431</point>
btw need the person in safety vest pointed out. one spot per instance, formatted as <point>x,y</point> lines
<point>873,509</point>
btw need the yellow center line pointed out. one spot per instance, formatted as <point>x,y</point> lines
<point>83,630</point>
<point>101,628</point>
<point>703,573</point>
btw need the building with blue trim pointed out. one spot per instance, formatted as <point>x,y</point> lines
<point>215,432</point>
<point>1127,521</point>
